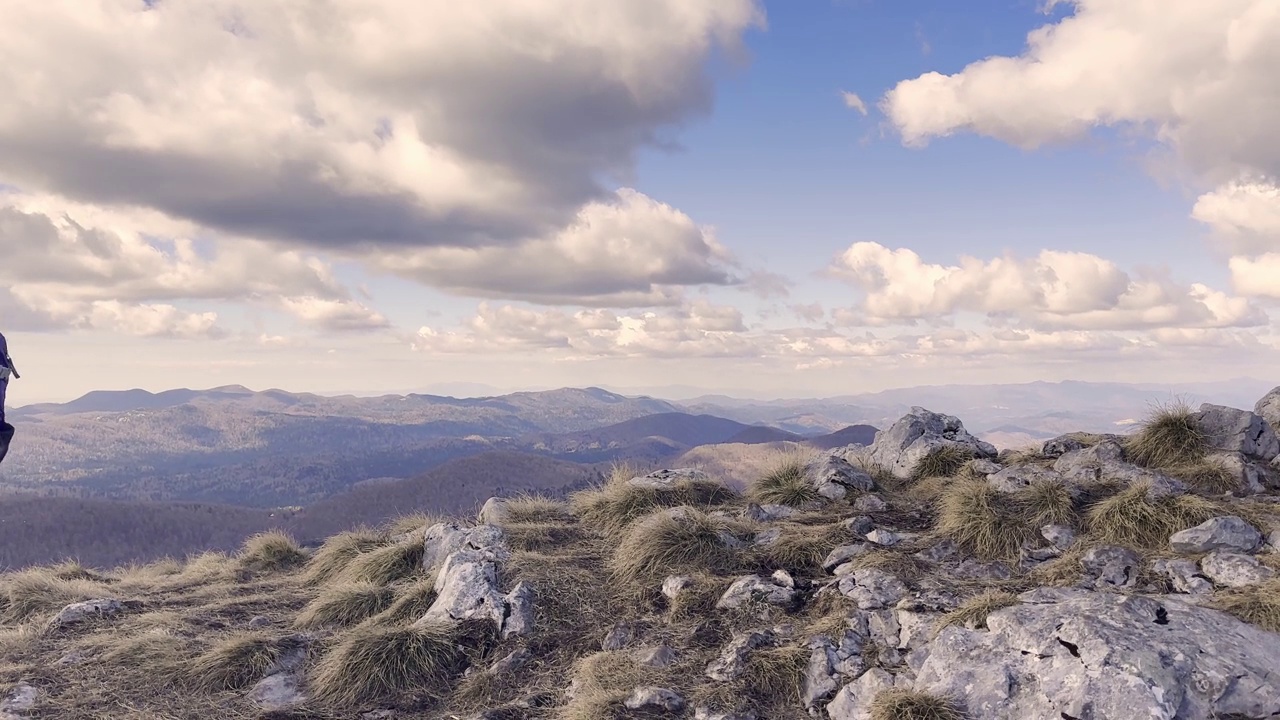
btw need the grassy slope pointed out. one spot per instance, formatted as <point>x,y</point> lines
<point>187,652</point>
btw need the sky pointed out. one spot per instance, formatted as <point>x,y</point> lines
<point>774,199</point>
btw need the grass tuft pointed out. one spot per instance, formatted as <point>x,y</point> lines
<point>616,504</point>
<point>903,704</point>
<point>346,604</point>
<point>239,661</point>
<point>338,551</point>
<point>386,564</point>
<point>994,525</point>
<point>36,592</point>
<point>537,509</point>
<point>943,461</point>
<point>372,664</point>
<point>1255,604</point>
<point>786,483</point>
<point>1169,437</point>
<point>273,550</point>
<point>411,603</point>
<point>802,548</point>
<point>973,613</point>
<point>662,544</point>
<point>1132,519</point>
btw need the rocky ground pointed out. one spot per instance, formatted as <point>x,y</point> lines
<point>924,577</point>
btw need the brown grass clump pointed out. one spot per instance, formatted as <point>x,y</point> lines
<point>802,548</point>
<point>1132,519</point>
<point>994,525</point>
<point>411,523</point>
<point>903,704</point>
<point>1206,475</point>
<point>540,535</point>
<point>571,608</point>
<point>616,504</point>
<point>411,602</point>
<point>239,661</point>
<point>973,613</point>
<point>1255,604</point>
<point>273,550</point>
<point>536,509</point>
<point>386,564</point>
<point>772,675</point>
<point>605,679</point>
<point>36,592</point>
<point>372,664</point>
<point>943,461</point>
<point>346,604</point>
<point>338,551</point>
<point>1169,437</point>
<point>664,544</point>
<point>786,483</point>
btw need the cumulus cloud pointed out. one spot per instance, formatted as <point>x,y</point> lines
<point>631,251</point>
<point>1257,277</point>
<point>87,266</point>
<point>412,123</point>
<point>1054,290</point>
<point>1196,77</point>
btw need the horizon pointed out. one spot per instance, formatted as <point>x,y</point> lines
<point>791,200</point>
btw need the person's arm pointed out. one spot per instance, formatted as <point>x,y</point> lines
<point>12,368</point>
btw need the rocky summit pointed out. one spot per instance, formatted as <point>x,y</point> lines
<point>926,576</point>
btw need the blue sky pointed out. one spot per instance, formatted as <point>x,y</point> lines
<point>397,211</point>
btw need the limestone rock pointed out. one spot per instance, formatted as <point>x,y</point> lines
<point>467,588</point>
<point>884,538</point>
<point>733,658</point>
<point>1234,569</point>
<point>768,512</point>
<point>494,511</point>
<point>705,713</point>
<point>843,554</point>
<point>860,524</point>
<point>1239,431</point>
<point>21,699</point>
<point>619,636</point>
<point>901,447</point>
<point>1060,536</point>
<point>670,478</point>
<point>1017,477</point>
<point>1059,446</point>
<point>872,588</point>
<point>443,539</point>
<point>277,693</point>
<point>513,660</point>
<point>1268,408</point>
<point>673,585</point>
<point>659,656</point>
<point>870,503</point>
<point>654,697</point>
<point>1080,654</point>
<point>835,478</point>
<point>1112,565</point>
<point>853,702</point>
<point>831,663</point>
<point>519,611</point>
<point>1183,575</point>
<point>1227,532</point>
<point>754,588</point>
<point>89,609</point>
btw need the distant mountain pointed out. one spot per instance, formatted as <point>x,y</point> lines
<point>854,434</point>
<point>680,431</point>
<point>457,487</point>
<point>758,434</point>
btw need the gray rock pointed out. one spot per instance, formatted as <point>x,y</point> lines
<point>884,538</point>
<point>870,503</point>
<point>1112,565</point>
<point>1080,654</point>
<point>942,551</point>
<point>1268,408</point>
<point>519,611</point>
<point>1059,446</point>
<point>733,658</point>
<point>654,697</point>
<point>1227,532</point>
<point>467,588</point>
<point>754,588</point>
<point>21,699</point>
<point>443,539</point>
<point>705,713</point>
<point>853,702</point>
<point>831,664</point>
<point>294,650</point>
<point>768,512</point>
<point>1273,540</point>
<point>901,447</point>
<point>860,524</point>
<point>1018,477</point>
<point>765,538</point>
<point>1251,476</point>
<point>619,636</point>
<point>1060,536</point>
<point>659,656</point>
<point>258,622</point>
<point>872,588</point>
<point>511,662</point>
<point>1241,431</point>
<point>835,478</point>
<point>883,627</point>
<point>494,511</point>
<point>667,479</point>
<point>278,693</point>
<point>87,610</point>
<point>983,466</point>
<point>1234,569</point>
<point>1183,575</point>
<point>974,569</point>
<point>675,584</point>
<point>843,554</point>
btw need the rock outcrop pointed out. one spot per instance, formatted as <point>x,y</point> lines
<point>901,447</point>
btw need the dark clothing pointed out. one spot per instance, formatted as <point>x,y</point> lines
<point>5,361</point>
<point>4,385</point>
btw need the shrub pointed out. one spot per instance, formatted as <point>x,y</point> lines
<point>274,550</point>
<point>1168,437</point>
<point>1133,519</point>
<point>665,542</point>
<point>943,461</point>
<point>993,524</point>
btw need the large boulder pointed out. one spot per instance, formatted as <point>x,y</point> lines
<point>466,561</point>
<point>1230,430</point>
<point>1228,532</point>
<point>1069,653</point>
<point>1269,408</point>
<point>443,539</point>
<point>669,479</point>
<point>905,443</point>
<point>834,477</point>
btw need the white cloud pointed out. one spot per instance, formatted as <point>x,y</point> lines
<point>137,320</point>
<point>334,315</point>
<point>1257,277</point>
<point>373,126</point>
<point>632,251</point>
<point>852,101</point>
<point>1245,215</point>
<point>1055,290</point>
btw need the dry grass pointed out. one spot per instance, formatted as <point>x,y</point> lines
<point>338,551</point>
<point>346,604</point>
<point>1132,519</point>
<point>1206,475</point>
<point>973,613</point>
<point>1168,437</point>
<point>269,551</point>
<point>411,602</point>
<point>786,483</point>
<point>994,525</point>
<point>1256,604</point>
<point>605,679</point>
<point>386,564</point>
<point>541,535</point>
<point>903,704</point>
<point>802,548</point>
<point>377,664</point>
<point>662,545</point>
<point>944,461</point>
<point>571,608</point>
<point>36,592</point>
<point>412,523</point>
<point>616,504</point>
<point>537,509</point>
<point>238,661</point>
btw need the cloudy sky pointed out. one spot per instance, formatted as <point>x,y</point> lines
<point>786,198</point>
